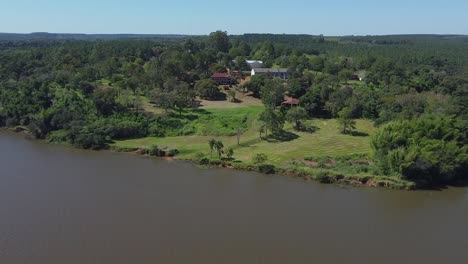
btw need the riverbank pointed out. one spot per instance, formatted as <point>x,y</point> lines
<point>324,155</point>
<point>294,170</point>
<point>325,172</point>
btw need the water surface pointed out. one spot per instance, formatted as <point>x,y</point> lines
<point>62,205</point>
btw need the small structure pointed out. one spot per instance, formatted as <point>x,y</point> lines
<point>291,102</point>
<point>274,73</point>
<point>222,78</point>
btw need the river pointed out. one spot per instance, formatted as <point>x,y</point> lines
<point>63,205</point>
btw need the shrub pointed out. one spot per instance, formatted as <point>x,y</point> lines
<point>204,161</point>
<point>58,136</point>
<point>259,158</point>
<point>172,152</point>
<point>154,151</point>
<point>431,150</point>
<point>323,177</point>
<point>266,168</point>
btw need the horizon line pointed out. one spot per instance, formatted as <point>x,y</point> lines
<point>245,33</point>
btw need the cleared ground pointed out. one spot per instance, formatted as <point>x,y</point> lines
<point>327,140</point>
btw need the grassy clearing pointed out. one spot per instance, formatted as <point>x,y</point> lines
<point>222,124</point>
<point>302,156</point>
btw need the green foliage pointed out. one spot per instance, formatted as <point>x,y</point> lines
<point>229,153</point>
<point>272,93</point>
<point>259,158</point>
<point>266,168</point>
<point>219,41</point>
<point>89,93</point>
<point>296,115</point>
<point>207,89</point>
<point>255,84</point>
<point>429,151</point>
<point>346,121</point>
<point>273,120</point>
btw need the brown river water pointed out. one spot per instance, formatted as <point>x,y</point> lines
<point>60,205</point>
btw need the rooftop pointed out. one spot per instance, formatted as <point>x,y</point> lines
<point>291,101</point>
<point>220,75</point>
<point>268,70</point>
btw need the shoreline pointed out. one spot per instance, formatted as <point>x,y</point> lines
<point>327,178</point>
<point>354,181</point>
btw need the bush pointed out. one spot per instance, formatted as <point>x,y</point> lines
<point>259,158</point>
<point>323,177</point>
<point>431,150</point>
<point>90,141</point>
<point>204,161</point>
<point>154,151</point>
<point>172,152</point>
<point>58,136</point>
<point>266,168</point>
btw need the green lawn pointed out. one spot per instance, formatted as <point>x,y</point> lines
<point>327,140</point>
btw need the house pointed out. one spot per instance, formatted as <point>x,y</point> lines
<point>290,102</point>
<point>254,63</point>
<point>274,73</point>
<point>222,78</point>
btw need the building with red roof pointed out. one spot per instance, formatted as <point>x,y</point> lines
<point>222,78</point>
<point>291,102</point>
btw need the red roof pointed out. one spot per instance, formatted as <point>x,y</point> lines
<point>220,75</point>
<point>291,101</point>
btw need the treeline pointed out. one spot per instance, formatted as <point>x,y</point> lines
<point>91,92</point>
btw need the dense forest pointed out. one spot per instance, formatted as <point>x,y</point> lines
<point>91,91</point>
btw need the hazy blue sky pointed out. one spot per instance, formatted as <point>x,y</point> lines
<point>328,17</point>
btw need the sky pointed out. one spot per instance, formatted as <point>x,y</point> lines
<point>327,17</point>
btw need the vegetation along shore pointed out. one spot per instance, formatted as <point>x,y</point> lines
<point>382,111</point>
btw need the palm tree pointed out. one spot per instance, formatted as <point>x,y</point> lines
<point>212,147</point>
<point>219,146</point>
<point>229,153</point>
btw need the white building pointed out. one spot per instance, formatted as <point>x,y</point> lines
<point>274,73</point>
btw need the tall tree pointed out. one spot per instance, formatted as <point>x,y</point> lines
<point>296,115</point>
<point>219,41</point>
<point>345,119</point>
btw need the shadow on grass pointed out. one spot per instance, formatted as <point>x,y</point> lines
<point>282,136</point>
<point>200,111</point>
<point>308,129</point>
<point>358,134</point>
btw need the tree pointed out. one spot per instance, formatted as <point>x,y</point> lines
<point>238,135</point>
<point>212,144</point>
<point>345,75</point>
<point>429,151</point>
<point>272,93</point>
<point>231,94</point>
<point>174,94</point>
<point>346,121</point>
<point>296,115</point>
<point>259,158</point>
<point>219,41</point>
<point>316,63</point>
<point>255,84</point>
<point>219,147</point>
<point>261,130</point>
<point>296,88</point>
<point>138,102</point>
<point>229,153</point>
<point>207,89</point>
<point>273,120</point>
